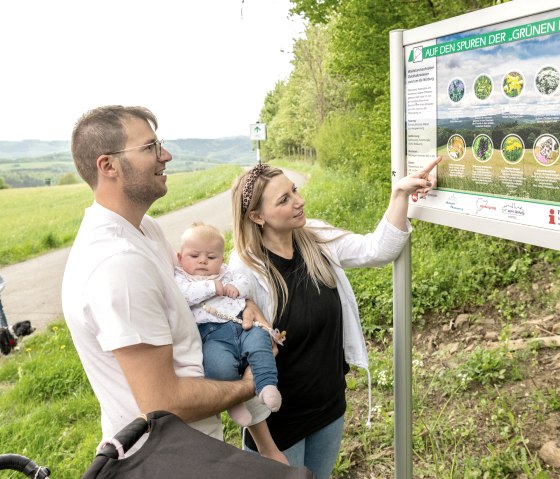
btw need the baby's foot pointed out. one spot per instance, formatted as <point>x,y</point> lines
<point>271,398</point>
<point>240,414</point>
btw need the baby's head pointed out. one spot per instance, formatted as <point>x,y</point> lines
<point>202,250</point>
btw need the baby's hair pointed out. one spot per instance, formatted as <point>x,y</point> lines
<point>202,231</point>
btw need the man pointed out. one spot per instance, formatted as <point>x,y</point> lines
<point>136,338</point>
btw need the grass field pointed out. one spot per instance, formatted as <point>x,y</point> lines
<point>37,220</point>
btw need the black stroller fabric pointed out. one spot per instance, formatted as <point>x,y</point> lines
<point>176,450</point>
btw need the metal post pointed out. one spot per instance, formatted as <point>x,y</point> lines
<point>402,276</point>
<point>258,152</point>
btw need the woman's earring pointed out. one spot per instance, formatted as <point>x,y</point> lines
<point>262,226</point>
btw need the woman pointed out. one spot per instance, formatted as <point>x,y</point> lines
<point>296,268</point>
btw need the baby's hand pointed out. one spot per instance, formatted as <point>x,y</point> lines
<point>231,291</point>
<point>219,287</point>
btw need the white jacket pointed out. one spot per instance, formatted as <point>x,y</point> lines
<point>346,250</point>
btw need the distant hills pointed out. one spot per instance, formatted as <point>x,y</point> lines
<point>237,149</point>
<point>38,162</point>
<point>496,120</point>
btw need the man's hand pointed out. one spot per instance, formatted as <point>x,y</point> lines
<point>251,314</point>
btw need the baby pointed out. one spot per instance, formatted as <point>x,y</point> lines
<point>216,299</point>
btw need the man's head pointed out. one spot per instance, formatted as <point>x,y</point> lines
<point>202,250</point>
<point>100,131</point>
<point>117,152</point>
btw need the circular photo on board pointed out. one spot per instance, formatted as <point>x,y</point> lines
<point>513,84</point>
<point>547,80</point>
<point>456,147</point>
<point>545,150</point>
<point>456,90</point>
<point>513,149</point>
<point>483,87</point>
<point>482,148</point>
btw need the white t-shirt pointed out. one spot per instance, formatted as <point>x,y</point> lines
<point>119,290</point>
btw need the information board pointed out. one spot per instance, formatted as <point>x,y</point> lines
<point>483,91</point>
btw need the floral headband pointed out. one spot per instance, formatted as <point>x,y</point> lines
<point>254,173</point>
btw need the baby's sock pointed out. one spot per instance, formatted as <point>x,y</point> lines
<point>241,415</point>
<point>271,398</point>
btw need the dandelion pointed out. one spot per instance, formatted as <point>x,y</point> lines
<point>512,148</point>
<point>63,346</point>
<point>513,84</point>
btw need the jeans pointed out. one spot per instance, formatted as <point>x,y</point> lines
<point>3,320</point>
<point>318,451</point>
<point>227,350</point>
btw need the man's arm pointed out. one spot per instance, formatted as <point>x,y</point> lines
<point>152,379</point>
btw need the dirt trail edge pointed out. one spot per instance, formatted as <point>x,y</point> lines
<point>33,287</point>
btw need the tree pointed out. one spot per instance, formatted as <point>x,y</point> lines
<point>3,184</point>
<point>68,179</point>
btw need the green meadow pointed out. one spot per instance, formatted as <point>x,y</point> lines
<point>37,220</point>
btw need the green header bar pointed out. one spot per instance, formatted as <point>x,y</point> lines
<point>508,35</point>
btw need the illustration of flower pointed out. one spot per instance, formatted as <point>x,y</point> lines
<point>456,90</point>
<point>482,87</point>
<point>547,80</point>
<point>513,84</point>
<point>456,147</point>
<point>512,149</point>
<point>482,147</point>
<point>545,150</point>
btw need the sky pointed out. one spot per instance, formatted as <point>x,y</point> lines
<point>527,57</point>
<point>203,67</point>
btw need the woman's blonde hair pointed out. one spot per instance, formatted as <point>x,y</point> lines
<point>248,242</point>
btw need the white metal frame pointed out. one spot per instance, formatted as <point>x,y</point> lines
<point>402,290</point>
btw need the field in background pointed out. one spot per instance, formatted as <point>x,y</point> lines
<point>37,220</point>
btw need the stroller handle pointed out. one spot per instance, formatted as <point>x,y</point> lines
<point>23,464</point>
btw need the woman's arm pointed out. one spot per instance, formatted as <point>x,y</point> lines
<point>420,183</point>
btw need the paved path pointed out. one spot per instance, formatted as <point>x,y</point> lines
<point>33,287</point>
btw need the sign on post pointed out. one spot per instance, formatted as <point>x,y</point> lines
<point>483,91</point>
<point>258,131</point>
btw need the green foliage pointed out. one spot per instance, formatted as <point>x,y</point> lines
<point>316,12</point>
<point>488,366</point>
<point>346,71</point>
<point>337,140</point>
<point>3,184</point>
<point>47,408</point>
<point>68,179</point>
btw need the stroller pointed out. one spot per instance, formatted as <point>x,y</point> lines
<point>24,465</point>
<point>172,449</point>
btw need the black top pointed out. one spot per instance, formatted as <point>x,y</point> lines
<point>311,364</point>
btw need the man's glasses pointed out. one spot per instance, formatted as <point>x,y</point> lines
<point>156,144</point>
